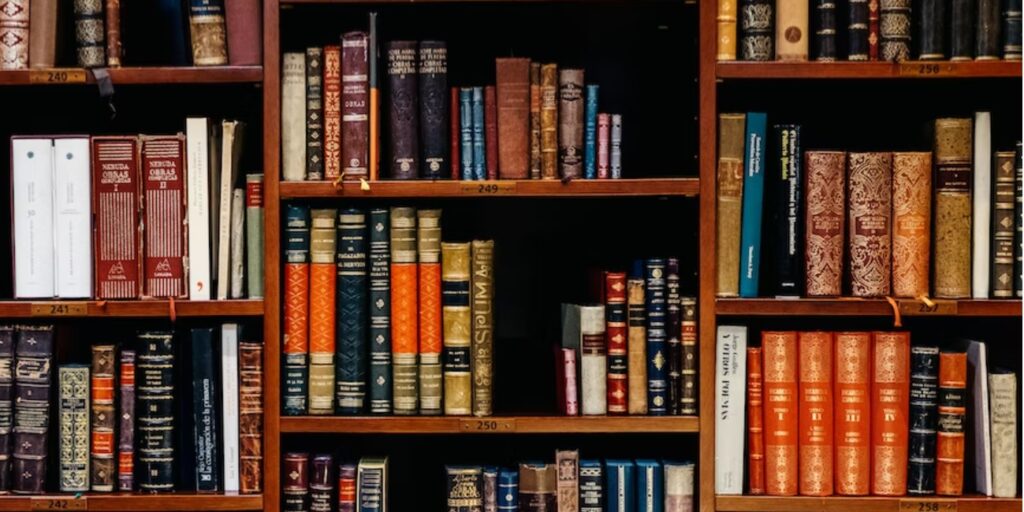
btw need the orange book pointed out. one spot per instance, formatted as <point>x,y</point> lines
<point>755,422</point>
<point>890,404</point>
<point>815,393</point>
<point>404,317</point>
<point>852,413</point>
<point>780,412</point>
<point>428,224</point>
<point>323,273</point>
<point>949,445</point>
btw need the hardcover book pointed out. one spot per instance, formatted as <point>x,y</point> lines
<point>890,397</point>
<point>870,213</point>
<point>295,482</point>
<point>293,116</point>
<point>568,483</point>
<point>619,486</point>
<point>615,333</point>
<point>824,223</point>
<point>566,373</point>
<point>296,310</point>
<point>314,113</point>
<point>490,488</point>
<point>14,30</point>
<point>380,311</point>
<point>874,18</point>
<point>404,314</point>
<point>244,28</point>
<point>73,381</point>
<point>650,491</point>
<point>962,29</point>
<point>491,132</point>
<point>101,419</point>
<point>72,218</point>
<point>372,484</point>
<point>688,341</point>
<point>323,277</point>
<point>347,488</point>
<point>321,483</point>
<point>570,123</point>
<point>894,30</point>
<point>332,91</point>
<point>674,331</point>
<point>482,310</point>
<point>755,422</point>
<point>756,40</point>
<point>924,375</point>
<point>549,122</point>
<point>455,293</point>
<point>1002,388</point>
<point>1011,34</point>
<point>911,223</point>
<point>824,31</point>
<point>815,413</point>
<point>156,456</point>
<point>428,224</point>
<point>730,367</point>
<point>852,412</point>
<point>791,30</point>
<point>656,298</point>
<point>479,134</point>
<point>374,57</point>
<point>355,107</point>
<point>42,35</point>
<point>250,417</point>
<point>116,182</point>
<point>204,410</point>
<point>403,108</point>
<point>512,77</point>
<point>604,122</point>
<point>508,490</point>
<point>455,137</point>
<point>593,360</point>
<point>786,187</point>
<point>537,487</point>
<point>615,147</point>
<point>163,194</point>
<point>466,132</point>
<point>253,235</point>
<point>433,84</point>
<point>679,486</point>
<point>636,316</point>
<point>90,49</point>
<point>949,444</point>
<point>535,100</point>
<point>590,135</point>
<point>931,16</point>
<point>753,199</point>
<point>6,404</point>
<point>979,443</point>
<point>350,328</point>
<point>1003,223</point>
<point>32,370</point>
<point>953,148</point>
<point>126,423</point>
<point>465,489</point>
<point>199,199</point>
<point>726,30</point>
<point>981,196</point>
<point>32,216</point>
<point>209,34</point>
<point>229,405</point>
<point>781,361</point>
<point>729,202</point>
<point>592,495</point>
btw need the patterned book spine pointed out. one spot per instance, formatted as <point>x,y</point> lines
<point>332,91</point>
<point>346,488</point>
<point>895,30</point>
<point>1002,392</point>
<point>508,490</point>
<point>479,131</point>
<point>988,24</point>
<point>780,414</point>
<point>455,137</point>
<point>491,131</point>
<point>404,312</point>
<point>755,422</point>
<point>32,370</point>
<point>953,150</point>
<point>490,480</point>
<point>89,33</point>
<point>873,29</point>
<point>911,223</point>
<point>787,192</point>
<point>852,426</point>
<point>204,410</point>
<point>679,486</point>
<point>250,416</point>
<point>815,413</point>
<point>6,404</point>
<point>535,100</point>
<point>14,31</point>
<point>726,30</point>
<point>931,16</point>
<point>549,122</point>
<point>650,492</point>
<point>1012,30</point>
<point>117,242</point>
<point>591,486</point>
<point>351,299</point>
<point>568,483</point>
<point>537,488</point>
<point>380,311</point>
<point>619,486</point>
<point>615,332</point>
<point>455,290</point>
<point>163,185</point>
<point>512,77</point>
<point>568,390</point>
<point>73,381</point>
<point>403,106</point>
<point>208,31</point>
<point>857,30</point>
<point>323,278</point>
<point>433,84</point>
<point>355,107</point>
<point>688,341</point>
<point>482,309</point>
<point>570,123</point>
<point>674,331</point>
<point>254,234</point>
<point>126,426</point>
<point>825,226</point>
<point>791,34</point>
<point>924,378</point>
<point>314,113</point>
<point>593,361</point>
<point>1001,279</point>
<point>372,481</point>
<point>466,132</point>
<point>1018,236</point>
<point>321,483</point>
<point>952,410</point>
<point>590,135</point>
<point>615,147</point>
<point>293,117</point>
<point>756,18</point>
<point>465,489</point>
<point>962,28</point>
<point>430,324</point>
<point>604,122</point>
<point>102,417</point>
<point>890,394</point>
<point>156,411</point>
<point>870,211</point>
<point>656,298</point>
<point>729,202</point>
<point>296,310</point>
<point>753,203</point>
<point>295,486</point>
<point>825,31</point>
<point>637,343</point>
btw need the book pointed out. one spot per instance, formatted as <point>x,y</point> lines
<point>952,205</point>
<point>250,417</point>
<point>890,397</point>
<point>824,49</point>
<point>163,194</point>
<point>42,35</point>
<point>593,359</point>
<point>570,123</point>
<point>72,218</point>
<point>253,235</point>
<point>674,332</point>
<point>650,491</point>
<point>979,443</point>
<point>428,224</point>
<point>323,280</point>
<point>1011,33</point>
<point>756,35</point>
<point>355,104</point>
<point>404,314</point>
<point>869,179</point>
<point>102,472</point>
<point>117,242</point>
<point>924,381</point>
<point>591,490</point>
<point>962,29</point>
<point>231,153</point>
<point>615,334</point>
<point>894,30</point>
<point>949,444</point>
<point>780,412</point>
<point>465,489</point>
<point>230,404</point>
<point>590,135</point>
<point>786,186</point>
<point>455,293</point>
<point>791,30</point>
<point>346,488</point>
<point>33,352</point>
<point>351,298</point>
<point>911,223</point>
<point>491,132</point>
<point>482,310</point>
<point>490,488</point>
<point>981,198</point>
<point>824,226</point>
<point>753,199</point>
<point>636,316</point>
<point>534,116</point>
<point>726,30</point>
<point>126,423</point>
<point>90,49</point>
<point>728,202</point>
<point>508,490</point>
<point>619,485</point>
<point>815,412</point>
<point>730,364</point>
<point>852,426</point>
<point>321,483</point>
<point>679,478</point>
<point>655,297</point>
<point>73,404</point>
<point>466,133</point>
<point>372,484</point>
<point>380,311</point>
<point>1003,223</point>
<point>403,105</point>
<point>433,82</point>
<point>7,339</point>
<point>455,137</point>
<point>205,411</point>
<point>198,200</point>
<point>215,163</point>
<point>332,93</point>
<point>296,310</point>
<point>604,122</point>
<point>314,113</point>
<point>32,217</point>
<point>155,401</point>
<point>512,80</point>
<point>244,26</point>
<point>208,32</point>
<point>566,378</point>
<point>931,16</point>
<point>857,30</point>
<point>293,116</point>
<point>1002,388</point>
<point>549,122</point>
<point>479,129</point>
<point>567,486</point>
<point>874,23</point>
<point>615,147</point>
<point>755,422</point>
<point>1018,236</point>
<point>295,483</point>
<point>537,487</point>
<point>373,55</point>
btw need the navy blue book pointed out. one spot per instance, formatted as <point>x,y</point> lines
<point>296,251</point>
<point>380,311</point>
<point>753,198</point>
<point>656,300</point>
<point>590,134</point>
<point>479,143</point>
<point>351,306</point>
<point>787,211</point>
<point>619,493</point>
<point>591,486</point>
<point>204,410</point>
<point>508,490</point>
<point>650,490</point>
<point>466,131</point>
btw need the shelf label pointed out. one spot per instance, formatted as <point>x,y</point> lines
<point>488,188</point>
<point>59,308</point>
<point>60,503</point>
<point>926,68</point>
<point>928,505</point>
<point>57,76</point>
<point>913,307</point>
<point>487,425</point>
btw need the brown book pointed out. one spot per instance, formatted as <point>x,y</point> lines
<point>953,151</point>
<point>535,161</point>
<point>250,416</point>
<point>729,201</point>
<point>870,210</point>
<point>911,223</point>
<point>636,317</point>
<point>852,409</point>
<point>755,422</point>
<point>209,35</point>
<point>102,418</point>
<point>1002,246</point>
<point>112,10</point>
<point>824,229</point>
<point>549,121</point>
<point>815,419</point>
<point>570,123</point>
<point>949,442</point>
<point>538,487</point>
<point>42,34</point>
<point>780,412</point>
<point>355,106</point>
<point>513,90</point>
<point>791,29</point>
<point>726,25</point>
<point>890,406</point>
<point>245,32</point>
<point>332,112</point>
<point>491,131</point>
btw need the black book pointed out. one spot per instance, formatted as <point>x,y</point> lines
<point>961,23</point>
<point>989,22</point>
<point>1011,34</point>
<point>434,98</point>
<point>6,404</point>
<point>1018,240</point>
<point>931,27</point>
<point>352,297</point>
<point>155,411</point>
<point>824,30</point>
<point>786,185</point>
<point>314,114</point>
<point>205,389</point>
<point>857,30</point>
<point>403,110</point>
<point>380,311</point>
<point>32,375</point>
<point>757,40</point>
<point>591,486</point>
<point>924,389</point>
<point>321,483</point>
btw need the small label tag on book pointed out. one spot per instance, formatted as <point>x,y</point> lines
<point>928,505</point>
<point>60,503</point>
<point>912,307</point>
<point>928,69</point>
<point>487,425</point>
<point>488,188</point>
<point>59,308</point>
<point>57,76</point>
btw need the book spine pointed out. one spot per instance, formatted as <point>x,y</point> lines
<point>824,227</point>
<point>988,24</point>
<point>482,309</point>
<point>250,417</point>
<point>953,148</point>
<point>466,132</point>
<point>753,199</point>
<point>323,280</point>
<point>726,30</point>
<point>371,484</point>
<point>197,175</point>
<point>787,192</point>
<point>852,426</point>
<point>688,341</point>
<point>981,197</point>
<point>590,136</point>
<point>593,361</point>
<point>491,131</point>
<point>730,364</point>
<point>1002,389</point>
<point>293,115</point>
<point>756,35</point>
<point>619,486</point>
<point>204,410</point>
<point>1002,226</point>
<point>895,30</point>
<point>911,223</point>
<point>351,299</point>
<point>332,91</point>
<point>295,486</point>
<point>729,202</point>
<point>674,336</point>
<point>479,134</point>
<point>513,105</point>
<point>465,489</point>
<point>1018,234</point>
<point>244,25</point>
<point>924,367</point>
<point>549,122</point>
<point>380,311</point>
<point>603,141</point>
<point>490,478</point>
<point>156,417</point>
<point>404,312</point>
<point>229,405</point>
<point>961,21</point>
<point>1011,30</point>
<point>314,114</point>
<point>568,394</point>
<point>931,16</point>
<point>42,35</point>
<point>679,486</point>
<point>815,413</point>
<point>373,55</point>
<point>508,491</point>
<point>72,218</point>
<point>163,185</point>
<point>568,483</point>
<point>825,31</point>
<point>650,492</point>
<point>126,425</point>
<point>615,147</point>
<point>890,390</point>
<point>755,422</point>
<point>101,419</point>
<point>253,235</point>
<point>455,137</point>
<point>355,104</point>
<point>637,343</point>
<point>873,29</point>
<point>455,291</point>
<point>73,381</point>
<point>117,240</point>
<point>537,487</point>
<point>32,376</point>
<point>90,51</point>
<point>6,405</point>
<point>433,82</point>
<point>591,493</point>
<point>403,106</point>
<point>952,411</point>
<point>208,31</point>
<point>430,324</point>
<point>14,29</point>
<point>570,123</point>
<point>321,483</point>
<point>857,30</point>
<point>615,332</point>
<point>296,310</point>
<point>656,298</point>
<point>535,121</point>
<point>869,179</point>
<point>347,488</point>
<point>791,20</point>
<point>780,414</point>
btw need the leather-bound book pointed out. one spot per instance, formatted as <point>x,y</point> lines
<point>603,141</point>
<point>1011,33</point>
<point>6,404</point>
<point>1002,391</point>
<point>455,304</point>
<point>615,147</point>
<point>895,30</point>
<point>615,333</point>
<point>590,133</point>
<point>42,34</point>
<point>592,498</point>
<point>535,100</point>
<point>208,32</point>
<point>852,413</point>
<point>568,483</point>
<point>465,489</point>
<point>102,417</point>
<point>479,130</point>
<point>380,311</point>
<point>781,361</point>
<point>679,479</point>
<point>296,310</point>
<point>163,191</point>
<point>549,121</point>
<point>949,445</point>
<point>729,202</point>
<point>815,416</point>
<point>953,149</point>
<point>314,114</point>
<point>824,226</point>
<point>403,108</point>
<point>785,189</point>
<point>726,30</point>
<point>293,115</point>
<point>115,167</point>
<point>538,487</point>
<point>490,488</point>
<point>756,34</point>
<point>455,137</point>
<point>636,316</point>
<point>674,331</point>
<point>295,482</point>
<point>433,94</point>
<point>73,410</point>
<point>857,30</point>
<point>373,56</point>
<point>254,235</point>
<point>346,488</point>
<point>351,301</point>
<point>332,91</point>
<point>924,380</point>
<point>322,295</point>
<point>466,133</point>
<point>791,30</point>
<point>890,401</point>
<point>32,374</point>
<point>874,18</point>
<point>824,31</point>
<point>90,48</point>
<point>870,211</point>
<point>656,302</point>
<point>321,483</point>
<point>428,224</point>
<point>1003,199</point>
<point>755,422</point>
<point>592,359</point>
<point>570,123</point>
<point>491,131</point>
<point>250,416</point>
<point>962,24</point>
<point>512,76</point>
<point>126,422</point>
<point>989,22</point>
<point>482,309</point>
<point>112,11</point>
<point>156,439</point>
<point>911,223</point>
<point>930,20</point>
<point>372,481</point>
<point>1018,238</point>
<point>244,23</point>
<point>404,311</point>
<point>688,340</point>
<point>14,29</point>
<point>205,410</point>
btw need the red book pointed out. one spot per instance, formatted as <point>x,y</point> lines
<point>825,184</point>
<point>755,421</point>
<point>115,207</point>
<point>491,131</point>
<point>355,106</point>
<point>568,403</point>
<point>603,127</point>
<point>332,112</point>
<point>780,412</point>
<point>890,404</point>
<point>163,189</point>
<point>244,21</point>
<point>874,16</point>
<point>815,413</point>
<point>852,412</point>
<point>615,333</point>
<point>455,137</point>
<point>949,444</point>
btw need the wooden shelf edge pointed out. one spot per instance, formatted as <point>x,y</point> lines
<point>125,502</point>
<point>858,503</point>
<point>859,307</point>
<point>137,75</point>
<point>688,187</point>
<point>868,70</point>
<point>487,425</point>
<point>129,308</point>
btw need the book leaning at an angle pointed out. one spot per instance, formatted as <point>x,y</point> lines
<point>730,395</point>
<point>197,150</point>
<point>237,243</point>
<point>32,170</point>
<point>231,151</point>
<point>979,445</point>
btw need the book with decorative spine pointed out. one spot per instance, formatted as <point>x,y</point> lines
<point>656,299</point>
<point>482,310</point>
<point>1003,223</point>
<point>432,66</point>
<point>254,234</point>
<point>755,422</point>
<point>355,107</point>
<point>208,31</point>
<point>852,412</point>
<point>538,487</point>
<point>428,239</point>
<point>32,374</point>
<point>949,443</point>
<point>465,489</point>
<point>615,334</point>
<point>250,417</point>
<point>380,311</point>
<point>295,482</point>
<point>163,194</point>
<point>156,411</point>
<point>126,425</point>
<point>102,417</point>
<point>924,375</point>
<point>332,92</point>
<point>296,310</point>
<point>115,167</point>
<point>323,273</point>
<point>346,488</point>
<point>636,313</point>
<point>781,461</point>
<point>911,223</point>
<point>90,51</point>
<point>619,485</point>
<point>570,123</point>
<point>815,413</point>
<point>73,381</point>
<point>824,228</point>
<point>890,403</point>
<point>549,121</point>
<point>315,113</point>
<point>729,202</point>
<point>568,480</point>
<point>404,313</point>
<point>952,203</point>
<point>869,179</point>
<point>351,297</point>
<point>674,331</point>
<point>293,116</point>
<point>592,496</point>
<point>688,340</point>
<point>321,483</point>
<point>372,484</point>
<point>650,490</point>
<point>6,404</point>
<point>534,116</point>
<point>404,110</point>
<point>455,301</point>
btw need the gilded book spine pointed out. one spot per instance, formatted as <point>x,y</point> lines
<point>455,291</point>
<point>465,489</point>
<point>874,17</point>
<point>549,121</point>
<point>815,416</point>
<point>295,482</point>
<point>567,486</point>
<point>1011,34</point>
<point>570,123</point>
<point>1004,197</point>
<point>756,20</point>
<point>404,110</point>
<point>102,417</point>
<point>332,91</point>
<point>428,223</point>
<point>296,310</point>
<point>656,301</point>
<point>351,299</point>
<point>32,374</point>
<point>535,123</point>
<point>250,416</point>
<point>911,223</point>
<point>14,31</point>
<point>637,341</point>
<point>688,341</point>
<point>825,31</point>
<point>890,402</point>
<point>74,427</point>
<point>404,314</point>
<point>314,113</point>
<point>755,422</point>
<point>89,33</point>
<point>355,106</point>
<point>380,311</point>
<point>126,426</point>
<point>852,413</point>
<point>156,411</point>
<point>322,289</point>
<point>949,444</point>
<point>674,331</point>
<point>924,375</point>
<point>604,122</point>
<point>729,202</point>
<point>112,10</point>
<point>163,188</point>
<point>953,150</point>
<point>726,29</point>
<point>615,333</point>
<point>870,212</point>
<point>615,147</point>
<point>482,309</point>
<point>780,413</point>
<point>824,228</point>
<point>894,30</point>
<point>209,34</point>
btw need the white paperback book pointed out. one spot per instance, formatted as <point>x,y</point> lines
<point>293,117</point>
<point>977,404</point>
<point>227,182</point>
<point>229,399</point>
<point>197,148</point>
<point>237,243</point>
<point>32,192</point>
<point>982,198</point>
<point>72,217</point>
<point>730,407</point>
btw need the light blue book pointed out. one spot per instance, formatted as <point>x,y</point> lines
<point>753,200</point>
<point>479,148</point>
<point>466,132</point>
<point>590,134</point>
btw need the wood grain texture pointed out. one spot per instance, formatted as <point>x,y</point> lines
<point>127,502</point>
<point>502,424</point>
<point>152,75</point>
<point>866,70</point>
<point>515,188</point>
<point>136,308</point>
<point>853,504</point>
<point>849,306</point>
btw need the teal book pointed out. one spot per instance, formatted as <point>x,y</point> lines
<point>619,490</point>
<point>650,491</point>
<point>590,134</point>
<point>479,145</point>
<point>753,200</point>
<point>466,131</point>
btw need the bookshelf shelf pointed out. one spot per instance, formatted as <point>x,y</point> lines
<point>861,503</point>
<point>488,425</point>
<point>868,70</point>
<point>864,307</point>
<point>117,502</point>
<point>686,187</point>
<point>136,75</point>
<point>130,308</point>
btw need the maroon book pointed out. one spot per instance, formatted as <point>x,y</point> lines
<point>456,135</point>
<point>244,22</point>
<point>163,194</point>
<point>355,106</point>
<point>116,210</point>
<point>491,131</point>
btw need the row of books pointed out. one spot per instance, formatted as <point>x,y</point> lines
<point>945,222</point>
<point>124,217</point>
<point>156,435</point>
<point>219,32</point>
<point>858,413</point>
<point>637,352</point>
<point>861,30</point>
<point>372,302</point>
<point>312,485</point>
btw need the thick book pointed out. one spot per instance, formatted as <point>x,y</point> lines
<point>512,79</point>
<point>118,244</point>
<point>42,35</point>
<point>229,404</point>
<point>1002,388</point>
<point>102,471</point>
<point>33,352</point>
<point>911,223</point>
<point>590,135</point>
<point>756,37</point>
<point>491,131</point>
<point>549,122</point>
<point>688,342</point>
<point>931,17</point>
<point>72,218</point>
<point>293,116</point>
<point>466,133</point>
<point>1011,33</point>
<point>433,84</point>
<point>924,382</point>
<point>205,410</point>
<point>14,29</point>
<point>674,331</point>
<point>244,24</point>
<point>615,147</point>
<point>636,317</point>
<point>479,133</point>
<point>428,239</point>
<point>753,199</point>
<point>380,311</point>
<point>155,401</point>
<point>729,202</point>
<point>314,113</point>
<point>458,327</point>
<point>1003,223</point>
<point>404,312</point>
<point>372,484</point>
<point>570,123</point>
<point>650,491</point>
<point>197,192</point>
<point>852,424</point>
<point>465,489</point>
<point>987,38</point>
<point>403,110</point>
<point>894,30</point>
<point>785,184</point>
<point>730,368</point>
<point>482,310</point>
<point>619,485</point>
<point>679,478</point>
<point>250,417</point>
<point>126,422</point>
<point>755,422</point>
<point>508,490</point>
<point>791,30</point>
<point>981,198</point>
<point>346,488</point>
<point>567,486</point>
<point>295,482</point>
<point>615,334</point>
<point>323,278</point>
<point>857,30</point>
<point>604,122</point>
<point>321,483</point>
<point>815,412</point>
<point>355,107</point>
<point>890,402</point>
<point>725,20</point>
<point>534,115</point>
<point>869,181</point>
<point>208,32</point>
<point>538,487</point>
<point>7,338</point>
<point>73,408</point>
<point>163,194</point>
<point>32,170</point>
<point>656,303</point>
<point>780,412</point>
<point>90,49</point>
<point>952,204</point>
<point>253,235</point>
<point>591,493</point>
<point>593,359</point>
<point>978,444</point>
<point>949,445</point>
<point>332,92</point>
<point>296,310</point>
<point>962,15</point>
<point>824,44</point>
<point>824,225</point>
<point>351,320</point>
